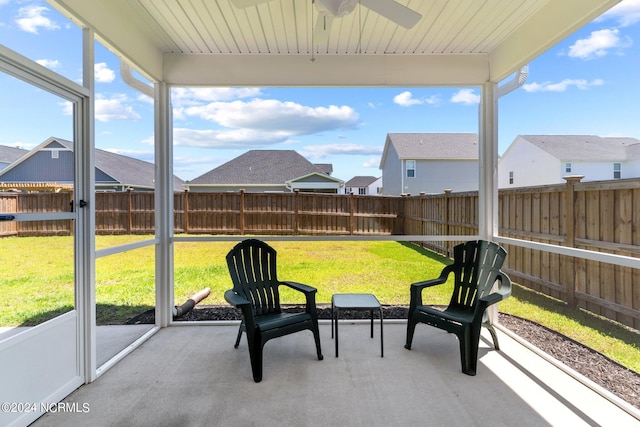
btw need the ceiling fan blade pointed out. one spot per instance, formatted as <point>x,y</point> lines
<point>322,28</point>
<point>241,4</point>
<point>393,11</point>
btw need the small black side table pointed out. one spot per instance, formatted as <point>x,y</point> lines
<point>355,302</point>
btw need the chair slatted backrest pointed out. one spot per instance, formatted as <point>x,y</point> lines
<point>252,266</point>
<point>476,267</point>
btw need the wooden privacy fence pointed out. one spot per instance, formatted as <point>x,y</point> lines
<point>286,214</point>
<point>215,213</point>
<point>597,216</point>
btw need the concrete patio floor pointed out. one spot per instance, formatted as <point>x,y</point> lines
<point>190,375</point>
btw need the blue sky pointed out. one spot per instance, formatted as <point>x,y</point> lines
<point>587,84</point>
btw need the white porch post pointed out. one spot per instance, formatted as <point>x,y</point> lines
<point>163,204</point>
<point>488,179</point>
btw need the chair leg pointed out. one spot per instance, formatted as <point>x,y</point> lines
<point>255,354</point>
<point>239,336</point>
<point>469,341</point>
<point>494,336</point>
<point>411,327</point>
<point>316,337</point>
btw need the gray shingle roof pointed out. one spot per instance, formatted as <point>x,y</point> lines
<point>587,147</point>
<point>260,167</point>
<point>360,181</point>
<point>126,170</point>
<point>425,146</point>
<point>11,154</point>
<point>325,167</point>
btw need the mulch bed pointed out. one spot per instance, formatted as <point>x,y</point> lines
<point>603,371</point>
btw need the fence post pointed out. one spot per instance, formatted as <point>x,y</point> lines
<point>351,217</point>
<point>570,230</point>
<point>242,211</point>
<point>447,220</point>
<point>185,214</point>
<point>129,210</point>
<point>296,209</point>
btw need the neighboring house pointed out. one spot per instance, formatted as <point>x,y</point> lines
<point>51,164</point>
<point>260,171</point>
<point>363,185</point>
<point>9,155</point>
<point>414,163</point>
<point>545,159</point>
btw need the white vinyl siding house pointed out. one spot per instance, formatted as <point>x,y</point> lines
<point>545,159</point>
<point>414,163</point>
<point>363,185</point>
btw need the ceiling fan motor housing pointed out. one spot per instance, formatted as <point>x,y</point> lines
<point>336,7</point>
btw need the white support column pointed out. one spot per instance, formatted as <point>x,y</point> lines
<point>163,204</point>
<point>488,180</point>
<point>84,148</point>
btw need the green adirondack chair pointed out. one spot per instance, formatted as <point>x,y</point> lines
<point>476,268</point>
<point>252,265</point>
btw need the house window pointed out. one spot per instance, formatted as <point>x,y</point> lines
<point>55,154</point>
<point>362,190</point>
<point>617,169</point>
<point>511,177</point>
<point>411,168</point>
<point>567,167</point>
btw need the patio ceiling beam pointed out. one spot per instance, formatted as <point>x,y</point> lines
<point>325,70</point>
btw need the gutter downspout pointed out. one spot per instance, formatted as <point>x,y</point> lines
<point>127,77</point>
<point>513,84</point>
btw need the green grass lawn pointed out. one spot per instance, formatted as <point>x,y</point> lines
<point>37,283</point>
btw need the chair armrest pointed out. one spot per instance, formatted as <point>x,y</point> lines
<point>503,291</point>
<point>309,294</point>
<point>305,289</point>
<point>235,299</point>
<point>418,287</point>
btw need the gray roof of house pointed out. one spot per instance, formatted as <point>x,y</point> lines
<point>427,146</point>
<point>325,167</point>
<point>587,147</point>
<point>11,154</point>
<point>360,181</point>
<point>260,167</point>
<point>126,170</point>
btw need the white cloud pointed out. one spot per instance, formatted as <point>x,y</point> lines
<point>277,117</point>
<point>103,74</point>
<point>182,97</point>
<point>465,96</point>
<point>114,108</point>
<point>598,44</point>
<point>406,99</point>
<point>31,19</point>
<point>234,138</point>
<point>320,151</point>
<point>626,12</point>
<point>52,64</point>
<point>562,86</point>
<point>67,107</point>
<point>373,162</point>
